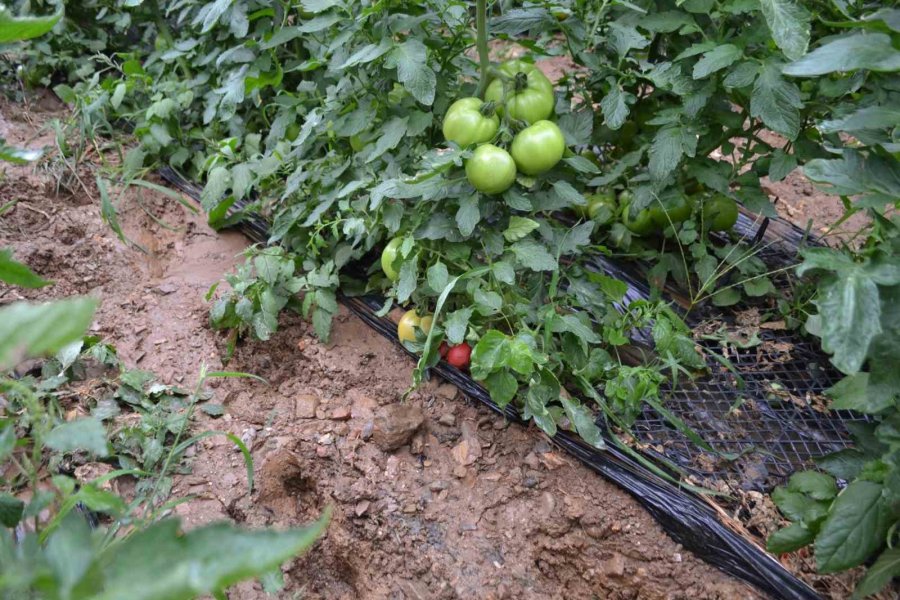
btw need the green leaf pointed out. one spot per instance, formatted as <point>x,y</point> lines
<point>791,538</point>
<point>879,574</point>
<point>87,434</point>
<point>15,273</point>
<point>161,564</point>
<point>669,146</point>
<point>855,392</point>
<point>14,29</point>
<point>872,51</point>
<point>490,353</point>
<point>534,256</point>
<point>518,228</point>
<point>868,118</point>
<point>583,420</point>
<point>28,330</point>
<point>844,464</point>
<point>437,276</point>
<point>217,183</point>
<point>776,102</point>
<point>409,276</point>
<point>468,215</point>
<point>457,324</point>
<point>11,509</point>
<point>851,318</point>
<point>789,23</point>
<point>502,386</point>
<point>782,164</point>
<point>716,59</point>
<point>391,134</point>
<point>614,107</point>
<point>814,484</point>
<point>410,60</point>
<point>855,528</point>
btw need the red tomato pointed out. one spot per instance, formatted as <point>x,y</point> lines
<point>458,356</point>
<point>443,349</point>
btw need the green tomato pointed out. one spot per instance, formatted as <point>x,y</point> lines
<point>491,170</point>
<point>602,207</point>
<point>293,130</point>
<point>410,322</point>
<point>465,122</point>
<point>388,256</point>
<point>675,208</point>
<point>639,224</point>
<point>530,94</point>
<point>720,213</point>
<point>537,149</point>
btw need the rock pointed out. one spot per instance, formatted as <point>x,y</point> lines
<point>417,445</point>
<point>361,508</point>
<point>615,566</point>
<point>322,451</point>
<point>500,423</point>
<point>468,450</point>
<point>247,436</point>
<point>341,429</point>
<point>395,425</point>
<point>437,486</point>
<point>447,420</point>
<point>367,431</point>
<point>447,391</point>
<point>305,406</point>
<point>340,414</point>
<point>460,472</point>
<point>677,557</point>
<point>166,288</point>
<point>326,440</point>
<point>532,460</point>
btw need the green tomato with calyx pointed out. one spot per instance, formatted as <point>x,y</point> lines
<point>470,121</point>
<point>529,94</point>
<point>388,256</point>
<point>491,170</point>
<point>602,207</point>
<point>537,149</point>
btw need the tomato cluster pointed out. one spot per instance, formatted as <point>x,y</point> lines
<point>523,97</point>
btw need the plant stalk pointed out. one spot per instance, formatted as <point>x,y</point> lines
<point>481,42</point>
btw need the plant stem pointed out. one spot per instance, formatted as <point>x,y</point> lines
<point>481,40</point>
<point>167,35</point>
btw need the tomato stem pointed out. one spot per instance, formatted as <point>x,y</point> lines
<point>481,41</point>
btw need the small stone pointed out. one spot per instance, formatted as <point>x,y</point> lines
<point>460,472</point>
<point>615,566</point>
<point>395,425</point>
<point>447,420</point>
<point>532,460</point>
<point>409,508</point>
<point>305,406</point>
<point>464,526</point>
<point>322,451</point>
<point>500,423</point>
<point>677,557</point>
<point>417,445</point>
<point>340,414</point>
<point>166,288</point>
<point>247,436</point>
<point>447,391</point>
<point>326,440</point>
<point>530,482</point>
<point>437,486</point>
<point>367,431</point>
<point>361,508</point>
<point>341,429</point>
<point>468,450</point>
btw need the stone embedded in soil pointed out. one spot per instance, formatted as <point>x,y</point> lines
<point>395,425</point>
<point>340,414</point>
<point>447,391</point>
<point>447,420</point>
<point>305,406</point>
<point>468,450</point>
<point>614,566</point>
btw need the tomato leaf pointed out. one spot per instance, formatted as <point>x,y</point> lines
<point>789,23</point>
<point>855,527</point>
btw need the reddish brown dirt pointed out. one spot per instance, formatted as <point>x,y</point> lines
<point>471,508</point>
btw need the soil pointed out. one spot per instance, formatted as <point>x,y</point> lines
<point>468,506</point>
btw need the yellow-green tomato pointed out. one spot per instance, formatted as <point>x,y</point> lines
<point>537,149</point>
<point>528,94</point>
<point>491,170</point>
<point>388,256</point>
<point>406,328</point>
<point>470,121</point>
<point>720,213</point>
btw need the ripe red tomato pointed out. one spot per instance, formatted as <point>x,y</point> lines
<point>458,356</point>
<point>443,349</point>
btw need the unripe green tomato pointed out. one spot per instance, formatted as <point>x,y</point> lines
<point>601,207</point>
<point>675,208</point>
<point>466,124</point>
<point>639,224</point>
<point>388,256</point>
<point>293,130</point>
<point>530,95</point>
<point>720,213</point>
<point>537,149</point>
<point>491,170</point>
